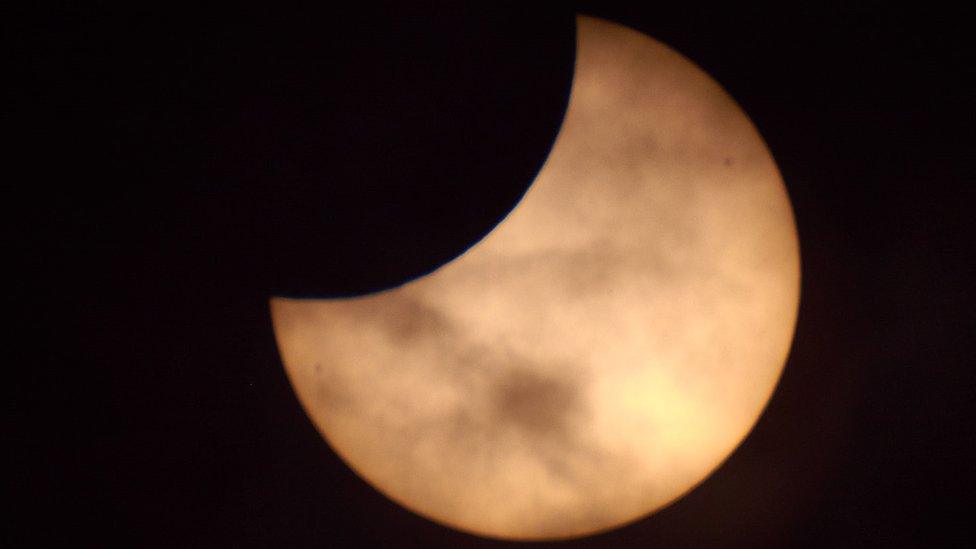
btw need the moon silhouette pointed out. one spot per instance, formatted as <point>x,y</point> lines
<point>604,348</point>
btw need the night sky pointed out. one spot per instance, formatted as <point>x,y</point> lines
<point>173,169</point>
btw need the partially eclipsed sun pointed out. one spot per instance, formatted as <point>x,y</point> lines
<point>604,348</point>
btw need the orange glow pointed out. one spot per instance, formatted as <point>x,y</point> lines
<point>600,352</point>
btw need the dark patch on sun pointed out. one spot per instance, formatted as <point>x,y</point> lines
<point>331,388</point>
<point>536,404</point>
<point>407,319</point>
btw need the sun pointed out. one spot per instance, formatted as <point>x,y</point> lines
<point>604,348</point>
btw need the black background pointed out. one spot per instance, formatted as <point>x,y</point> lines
<point>172,169</point>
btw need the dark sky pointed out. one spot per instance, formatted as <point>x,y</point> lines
<point>175,168</point>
